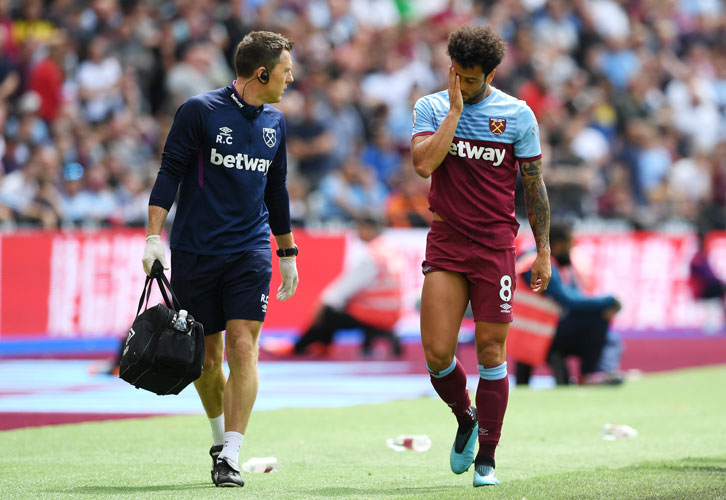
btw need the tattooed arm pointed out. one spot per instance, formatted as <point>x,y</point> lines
<point>538,212</point>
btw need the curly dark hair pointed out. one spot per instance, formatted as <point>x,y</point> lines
<point>473,46</point>
<point>260,48</point>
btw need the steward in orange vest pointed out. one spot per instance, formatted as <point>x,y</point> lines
<point>367,295</point>
<point>580,328</point>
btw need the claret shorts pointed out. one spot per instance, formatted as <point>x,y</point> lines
<point>489,271</point>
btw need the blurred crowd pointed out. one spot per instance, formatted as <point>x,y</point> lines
<point>630,95</point>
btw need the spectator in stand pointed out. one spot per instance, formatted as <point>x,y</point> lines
<point>381,156</point>
<point>557,25</point>
<point>311,142</point>
<point>99,82</point>
<point>46,79</point>
<point>133,200</point>
<point>18,188</point>
<point>88,197</point>
<point>344,120</point>
<point>713,213</point>
<point>689,186</point>
<point>9,76</point>
<point>29,192</point>
<point>47,205</point>
<point>26,126</point>
<point>538,94</point>
<point>201,68</point>
<point>619,63</point>
<point>693,95</point>
<point>616,200</point>
<point>32,25</point>
<point>77,205</point>
<point>8,47</point>
<point>408,203</point>
<point>346,193</point>
<point>299,207</point>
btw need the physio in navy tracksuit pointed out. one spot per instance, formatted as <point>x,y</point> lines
<point>584,326</point>
<point>226,154</point>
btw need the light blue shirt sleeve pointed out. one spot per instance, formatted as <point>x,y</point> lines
<point>423,116</point>
<point>527,144</point>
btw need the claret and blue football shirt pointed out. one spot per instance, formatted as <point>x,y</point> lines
<point>231,160</point>
<point>473,189</point>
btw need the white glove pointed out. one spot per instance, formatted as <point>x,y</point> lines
<point>288,271</point>
<point>154,251</point>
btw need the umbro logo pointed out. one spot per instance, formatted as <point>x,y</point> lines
<point>505,308</point>
<point>224,136</point>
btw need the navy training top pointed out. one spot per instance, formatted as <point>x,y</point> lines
<point>231,160</point>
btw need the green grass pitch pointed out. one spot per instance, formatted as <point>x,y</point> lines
<point>551,448</point>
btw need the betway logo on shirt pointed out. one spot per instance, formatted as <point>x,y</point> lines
<point>240,162</point>
<point>465,149</point>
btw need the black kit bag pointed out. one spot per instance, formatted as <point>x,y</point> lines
<point>157,355</point>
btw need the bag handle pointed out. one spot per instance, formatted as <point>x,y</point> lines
<point>145,292</point>
<point>157,274</point>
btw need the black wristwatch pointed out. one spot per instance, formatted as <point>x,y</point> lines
<point>287,252</point>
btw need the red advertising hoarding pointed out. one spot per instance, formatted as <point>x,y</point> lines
<point>87,284</point>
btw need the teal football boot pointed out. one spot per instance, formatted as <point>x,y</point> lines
<point>484,475</point>
<point>462,451</point>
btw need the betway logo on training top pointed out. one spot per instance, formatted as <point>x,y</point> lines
<point>240,162</point>
<point>465,149</point>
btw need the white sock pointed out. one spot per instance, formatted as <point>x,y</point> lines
<point>232,444</point>
<point>217,429</point>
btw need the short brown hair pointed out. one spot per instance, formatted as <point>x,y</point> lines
<point>473,46</point>
<point>260,48</point>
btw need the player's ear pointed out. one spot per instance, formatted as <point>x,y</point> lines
<point>490,76</point>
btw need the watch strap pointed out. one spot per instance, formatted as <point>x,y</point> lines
<point>287,252</point>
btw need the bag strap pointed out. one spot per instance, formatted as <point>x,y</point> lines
<point>145,292</point>
<point>157,274</point>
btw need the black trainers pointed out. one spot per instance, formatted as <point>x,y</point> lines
<point>224,475</point>
<point>214,452</point>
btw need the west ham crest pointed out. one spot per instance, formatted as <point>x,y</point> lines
<point>497,125</point>
<point>270,136</point>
